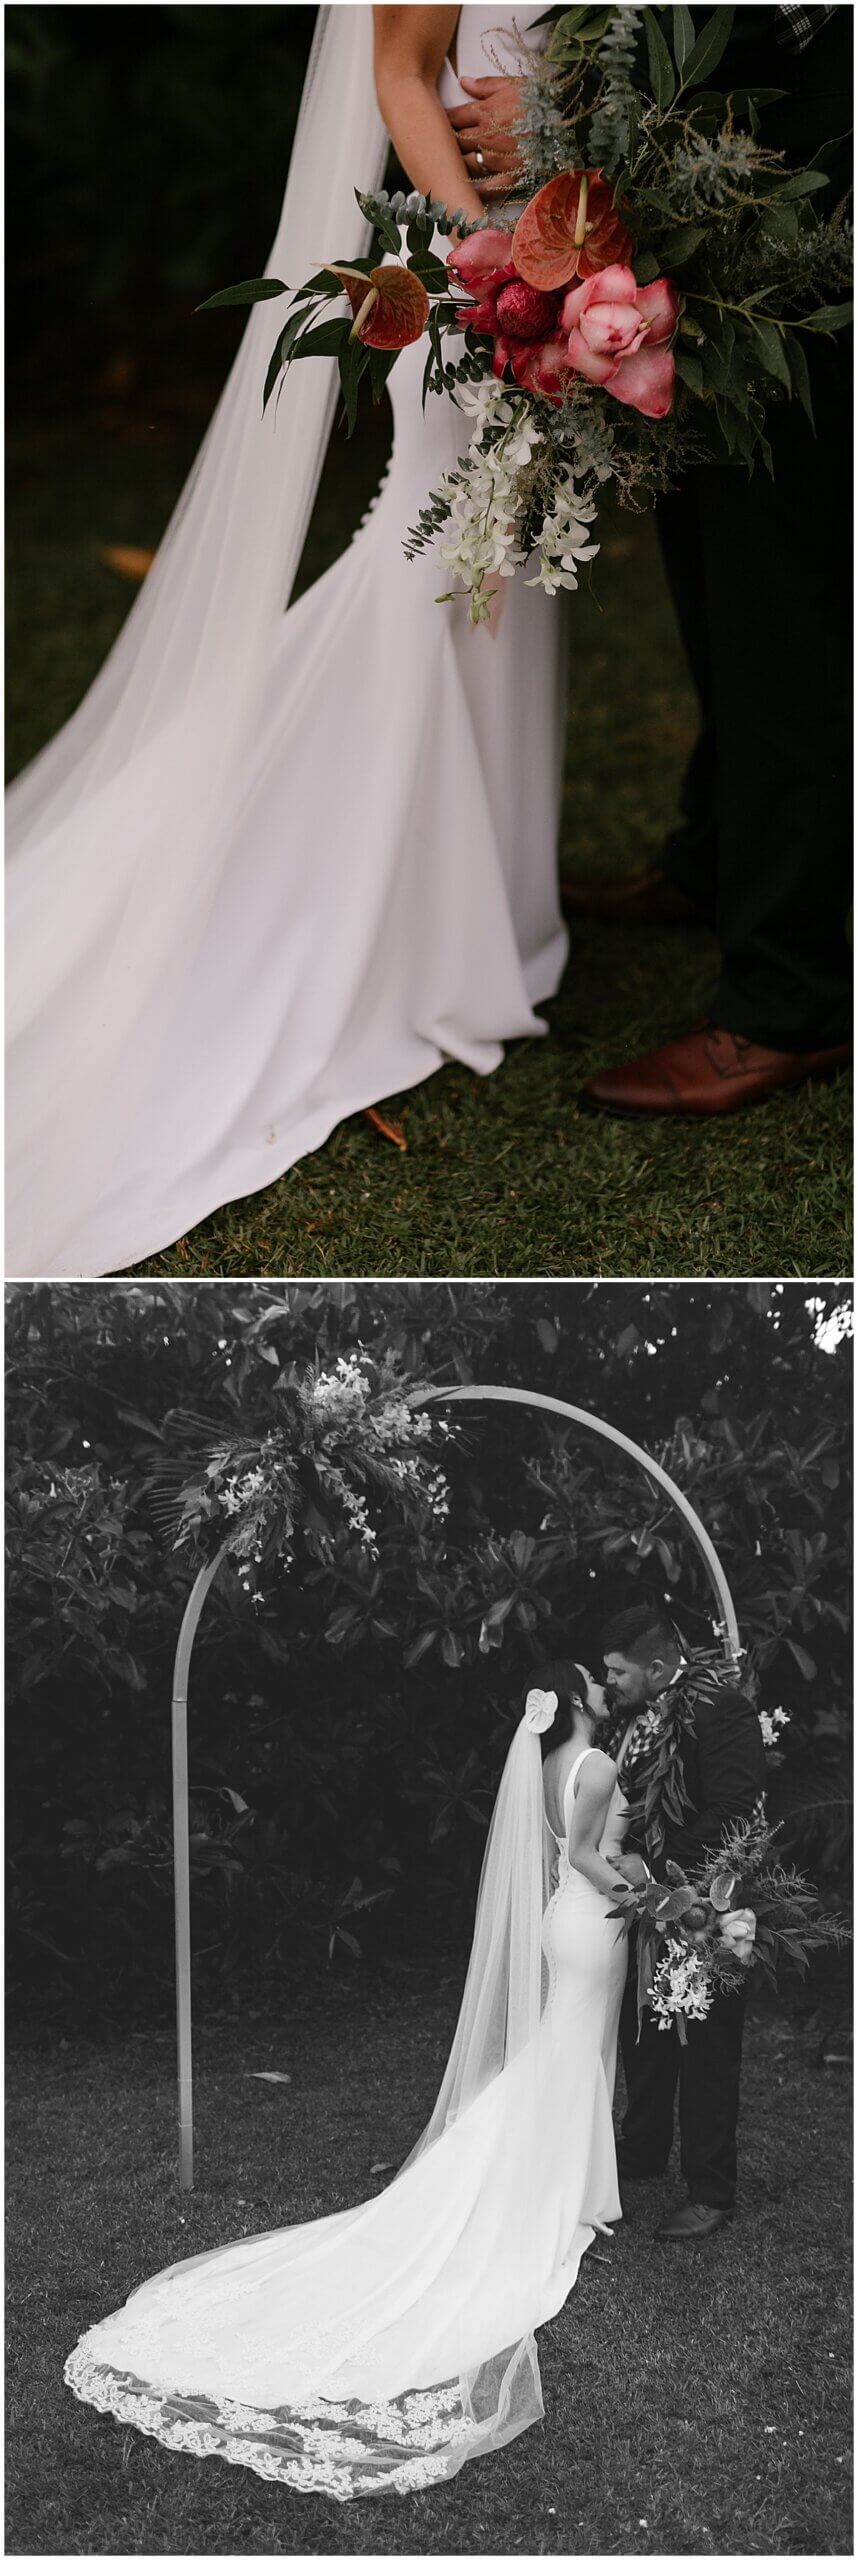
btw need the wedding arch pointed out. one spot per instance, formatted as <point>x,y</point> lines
<point>726,1628</point>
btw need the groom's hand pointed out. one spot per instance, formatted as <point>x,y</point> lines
<point>485,132</point>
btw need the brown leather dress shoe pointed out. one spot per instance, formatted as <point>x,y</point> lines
<point>694,2222</point>
<point>705,1073</point>
<point>644,899</point>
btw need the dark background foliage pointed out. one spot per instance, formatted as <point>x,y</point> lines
<point>346,1735</point>
<point>147,155</point>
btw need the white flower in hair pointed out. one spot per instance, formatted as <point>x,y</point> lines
<point>540,1709</point>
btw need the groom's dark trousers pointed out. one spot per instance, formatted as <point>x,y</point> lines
<point>723,1766</point>
<point>759,573</point>
<point>707,2070</point>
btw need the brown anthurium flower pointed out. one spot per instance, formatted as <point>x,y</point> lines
<point>390,306</point>
<point>571,228</point>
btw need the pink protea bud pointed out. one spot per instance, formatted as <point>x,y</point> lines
<point>524,312</point>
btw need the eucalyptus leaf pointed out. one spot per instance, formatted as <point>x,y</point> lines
<point>800,378</point>
<point>327,340</point>
<point>257,289</point>
<point>381,362</point>
<point>780,222</point>
<point>742,99</point>
<point>680,244</point>
<point>769,346</point>
<point>805,182</point>
<point>683,37</point>
<point>273,375</point>
<point>689,369</point>
<point>661,71</point>
<point>430,271</point>
<point>710,45</point>
<point>831,315</point>
<point>326,281</point>
<point>353,361</point>
<point>382,223</point>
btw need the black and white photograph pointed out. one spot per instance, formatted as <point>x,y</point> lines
<point>429,1817</point>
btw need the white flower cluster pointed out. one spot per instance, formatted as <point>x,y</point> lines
<point>339,1395</point>
<point>237,1492</point>
<point>395,1420</point>
<point>483,493</point>
<point>563,541</point>
<point>772,1725</point>
<point>681,1987</point>
<point>353,1503</point>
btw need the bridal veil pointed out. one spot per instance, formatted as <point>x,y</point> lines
<point>117,833</point>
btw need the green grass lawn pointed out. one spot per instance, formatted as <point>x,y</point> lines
<point>694,2402</point>
<point>505,1174</point>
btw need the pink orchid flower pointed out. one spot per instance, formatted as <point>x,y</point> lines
<point>618,332</point>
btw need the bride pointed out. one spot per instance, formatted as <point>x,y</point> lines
<point>382,2348</point>
<point>281,864</point>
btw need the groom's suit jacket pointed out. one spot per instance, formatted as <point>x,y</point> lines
<point>723,1765</point>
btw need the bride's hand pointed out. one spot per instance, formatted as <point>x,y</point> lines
<point>485,130</point>
<point>631,1867</point>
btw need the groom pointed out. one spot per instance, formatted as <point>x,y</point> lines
<point>759,573</point>
<point>721,1774</point>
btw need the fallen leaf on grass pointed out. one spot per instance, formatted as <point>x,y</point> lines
<point>268,2075</point>
<point>125,558</point>
<point>387,1128</point>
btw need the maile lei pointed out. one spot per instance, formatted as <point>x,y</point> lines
<point>655,1750</point>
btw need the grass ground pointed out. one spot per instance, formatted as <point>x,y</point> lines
<point>504,1175</point>
<point>694,2403</point>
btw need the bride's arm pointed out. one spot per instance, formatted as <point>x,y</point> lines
<point>587,1822</point>
<point>410,47</point>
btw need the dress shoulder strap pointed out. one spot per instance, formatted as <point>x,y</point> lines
<point>576,1764</point>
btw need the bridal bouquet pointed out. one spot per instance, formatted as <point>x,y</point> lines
<point>704,1933</point>
<point>650,302</point>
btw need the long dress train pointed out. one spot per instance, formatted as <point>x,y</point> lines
<point>383,895</point>
<point>384,2347</point>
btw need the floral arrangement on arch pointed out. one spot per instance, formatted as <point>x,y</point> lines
<point>650,303</point>
<point>705,1933</point>
<point>345,1442</point>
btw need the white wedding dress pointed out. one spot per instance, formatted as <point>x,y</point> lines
<point>318,876</point>
<point>384,2347</point>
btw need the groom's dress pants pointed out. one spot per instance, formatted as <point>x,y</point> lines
<point>759,573</point>
<point>707,2070</point>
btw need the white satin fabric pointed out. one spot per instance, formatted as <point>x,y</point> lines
<point>384,2347</point>
<point>322,859</point>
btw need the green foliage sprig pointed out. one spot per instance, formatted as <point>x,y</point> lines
<point>707,203</point>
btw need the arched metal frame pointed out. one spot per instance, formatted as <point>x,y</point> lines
<point>727,1628</point>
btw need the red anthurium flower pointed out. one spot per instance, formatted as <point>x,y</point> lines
<point>391,306</point>
<point>571,228</point>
